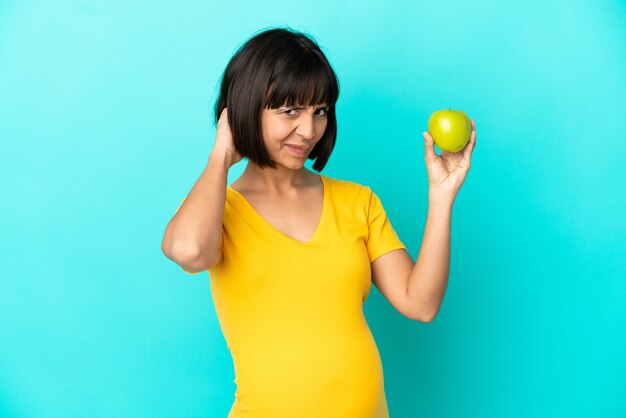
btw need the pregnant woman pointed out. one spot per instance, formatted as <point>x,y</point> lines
<point>292,254</point>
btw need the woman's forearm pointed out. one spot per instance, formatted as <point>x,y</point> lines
<point>429,278</point>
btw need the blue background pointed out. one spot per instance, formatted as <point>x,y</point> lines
<point>106,124</point>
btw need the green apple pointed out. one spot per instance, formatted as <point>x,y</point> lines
<point>450,129</point>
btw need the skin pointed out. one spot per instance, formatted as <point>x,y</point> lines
<point>286,125</point>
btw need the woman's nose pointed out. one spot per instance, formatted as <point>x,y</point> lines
<point>306,126</point>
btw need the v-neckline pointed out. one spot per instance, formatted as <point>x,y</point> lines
<point>271,227</point>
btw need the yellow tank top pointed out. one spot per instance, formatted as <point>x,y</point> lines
<point>292,312</point>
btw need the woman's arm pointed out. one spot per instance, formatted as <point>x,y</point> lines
<point>193,237</point>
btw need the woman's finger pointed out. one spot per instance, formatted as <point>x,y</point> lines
<point>429,146</point>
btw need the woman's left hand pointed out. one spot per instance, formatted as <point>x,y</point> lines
<point>447,172</point>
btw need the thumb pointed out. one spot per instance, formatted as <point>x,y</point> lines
<point>429,146</point>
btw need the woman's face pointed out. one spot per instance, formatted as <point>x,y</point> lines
<point>301,127</point>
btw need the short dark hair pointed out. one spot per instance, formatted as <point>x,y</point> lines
<point>278,66</point>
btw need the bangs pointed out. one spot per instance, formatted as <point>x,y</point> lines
<point>303,81</point>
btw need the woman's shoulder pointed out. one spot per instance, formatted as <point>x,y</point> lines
<point>348,188</point>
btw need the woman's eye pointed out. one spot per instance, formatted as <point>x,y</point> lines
<point>321,112</point>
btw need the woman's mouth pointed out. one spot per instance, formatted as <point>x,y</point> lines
<point>296,151</point>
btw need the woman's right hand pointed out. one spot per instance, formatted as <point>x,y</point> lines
<point>224,139</point>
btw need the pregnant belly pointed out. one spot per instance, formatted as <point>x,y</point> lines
<point>337,375</point>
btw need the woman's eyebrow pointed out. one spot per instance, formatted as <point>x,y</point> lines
<point>304,107</point>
